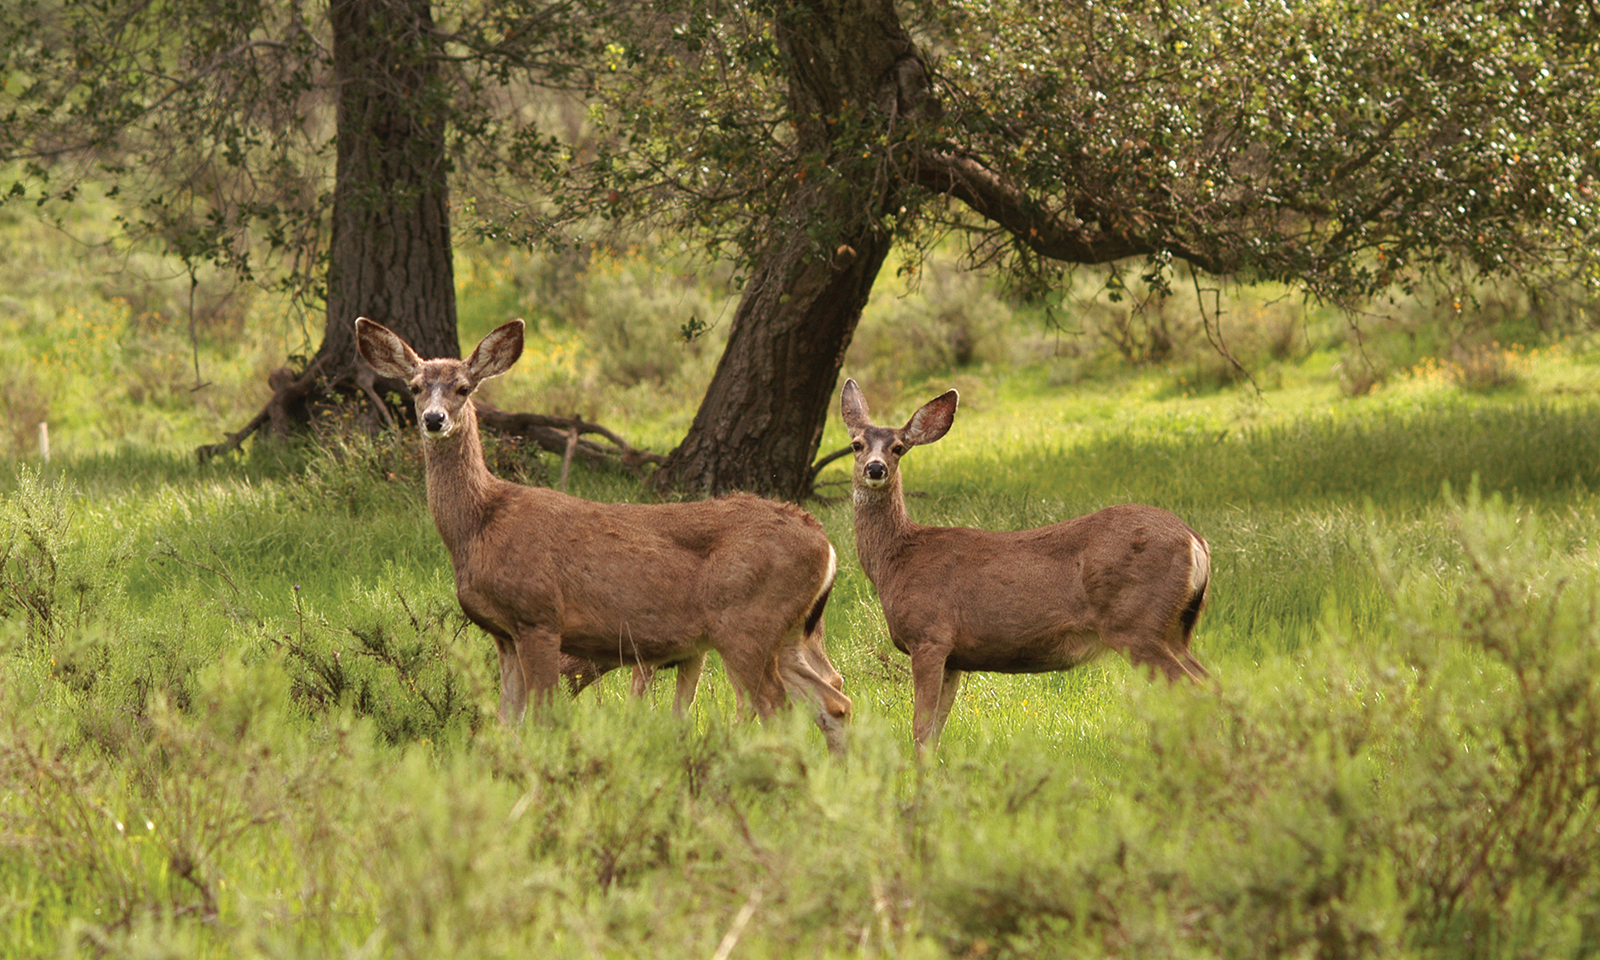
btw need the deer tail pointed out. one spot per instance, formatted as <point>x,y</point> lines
<point>1199,584</point>
<point>821,602</point>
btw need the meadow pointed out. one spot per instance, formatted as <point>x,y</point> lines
<point>242,716</point>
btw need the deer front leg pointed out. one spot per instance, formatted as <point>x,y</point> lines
<point>513,692</point>
<point>928,683</point>
<point>538,655</point>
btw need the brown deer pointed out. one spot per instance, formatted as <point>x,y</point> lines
<point>648,585</point>
<point>1131,578</point>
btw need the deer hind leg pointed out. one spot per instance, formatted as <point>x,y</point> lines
<point>816,653</point>
<point>1169,655</point>
<point>688,682</point>
<point>751,668</point>
<point>814,642</point>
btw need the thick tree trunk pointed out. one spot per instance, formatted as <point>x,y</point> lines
<point>761,420</point>
<point>391,250</point>
<point>851,69</point>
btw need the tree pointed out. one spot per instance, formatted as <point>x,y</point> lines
<point>215,116</point>
<point>1344,147</point>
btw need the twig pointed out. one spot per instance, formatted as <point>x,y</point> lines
<point>740,921</point>
<point>566,458</point>
<point>1216,341</point>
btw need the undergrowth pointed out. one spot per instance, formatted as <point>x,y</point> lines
<point>211,752</point>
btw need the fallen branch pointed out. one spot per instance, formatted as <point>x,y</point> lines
<point>564,434</point>
<point>286,389</point>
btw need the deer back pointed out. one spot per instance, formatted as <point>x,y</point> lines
<point>1041,598</point>
<point>645,579</point>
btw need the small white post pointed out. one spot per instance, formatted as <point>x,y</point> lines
<point>44,441</point>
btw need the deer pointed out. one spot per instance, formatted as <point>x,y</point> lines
<point>1130,578</point>
<point>560,582</point>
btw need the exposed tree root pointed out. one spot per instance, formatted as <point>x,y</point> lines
<point>295,399</point>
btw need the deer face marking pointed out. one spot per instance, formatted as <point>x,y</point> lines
<point>878,451</point>
<point>440,390</point>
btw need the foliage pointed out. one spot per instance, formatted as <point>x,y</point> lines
<point>241,714</point>
<point>212,121</point>
<point>1405,772</point>
<point>1346,147</point>
<point>1349,147</point>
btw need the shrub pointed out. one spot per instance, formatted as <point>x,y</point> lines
<point>1430,788</point>
<point>947,320</point>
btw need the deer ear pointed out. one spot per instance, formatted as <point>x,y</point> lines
<point>384,351</point>
<point>496,352</point>
<point>933,420</point>
<point>853,407</point>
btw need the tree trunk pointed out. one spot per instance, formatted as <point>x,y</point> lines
<point>390,248</point>
<point>851,70</point>
<point>760,421</point>
<point>390,253</point>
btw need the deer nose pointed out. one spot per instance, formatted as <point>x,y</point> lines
<point>876,470</point>
<point>433,421</point>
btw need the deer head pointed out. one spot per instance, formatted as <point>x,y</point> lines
<point>440,388</point>
<point>878,449</point>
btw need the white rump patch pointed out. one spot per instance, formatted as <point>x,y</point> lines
<point>1199,565</point>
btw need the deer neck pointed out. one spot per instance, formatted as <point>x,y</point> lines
<point>459,483</point>
<point>882,526</point>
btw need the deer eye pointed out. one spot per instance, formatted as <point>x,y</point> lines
<point>416,389</point>
<point>898,449</point>
<point>857,446</point>
<point>463,391</point>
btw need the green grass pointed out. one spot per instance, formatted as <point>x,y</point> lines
<point>242,715</point>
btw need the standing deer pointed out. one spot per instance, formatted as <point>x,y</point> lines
<point>649,585</point>
<point>1131,578</point>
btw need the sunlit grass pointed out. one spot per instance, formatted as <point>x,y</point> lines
<point>262,658</point>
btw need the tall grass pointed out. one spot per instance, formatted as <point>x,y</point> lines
<point>242,715</point>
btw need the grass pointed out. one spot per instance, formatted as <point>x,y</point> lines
<point>241,714</point>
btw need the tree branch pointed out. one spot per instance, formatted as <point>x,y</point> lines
<point>1070,239</point>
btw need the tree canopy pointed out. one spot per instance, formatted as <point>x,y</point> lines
<point>1344,147</point>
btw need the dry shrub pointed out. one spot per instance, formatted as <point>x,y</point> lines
<point>1485,368</point>
<point>26,407</point>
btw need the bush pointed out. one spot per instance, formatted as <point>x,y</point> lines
<point>949,319</point>
<point>1428,789</point>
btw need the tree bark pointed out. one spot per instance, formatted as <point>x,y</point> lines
<point>851,65</point>
<point>390,247</point>
<point>761,419</point>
